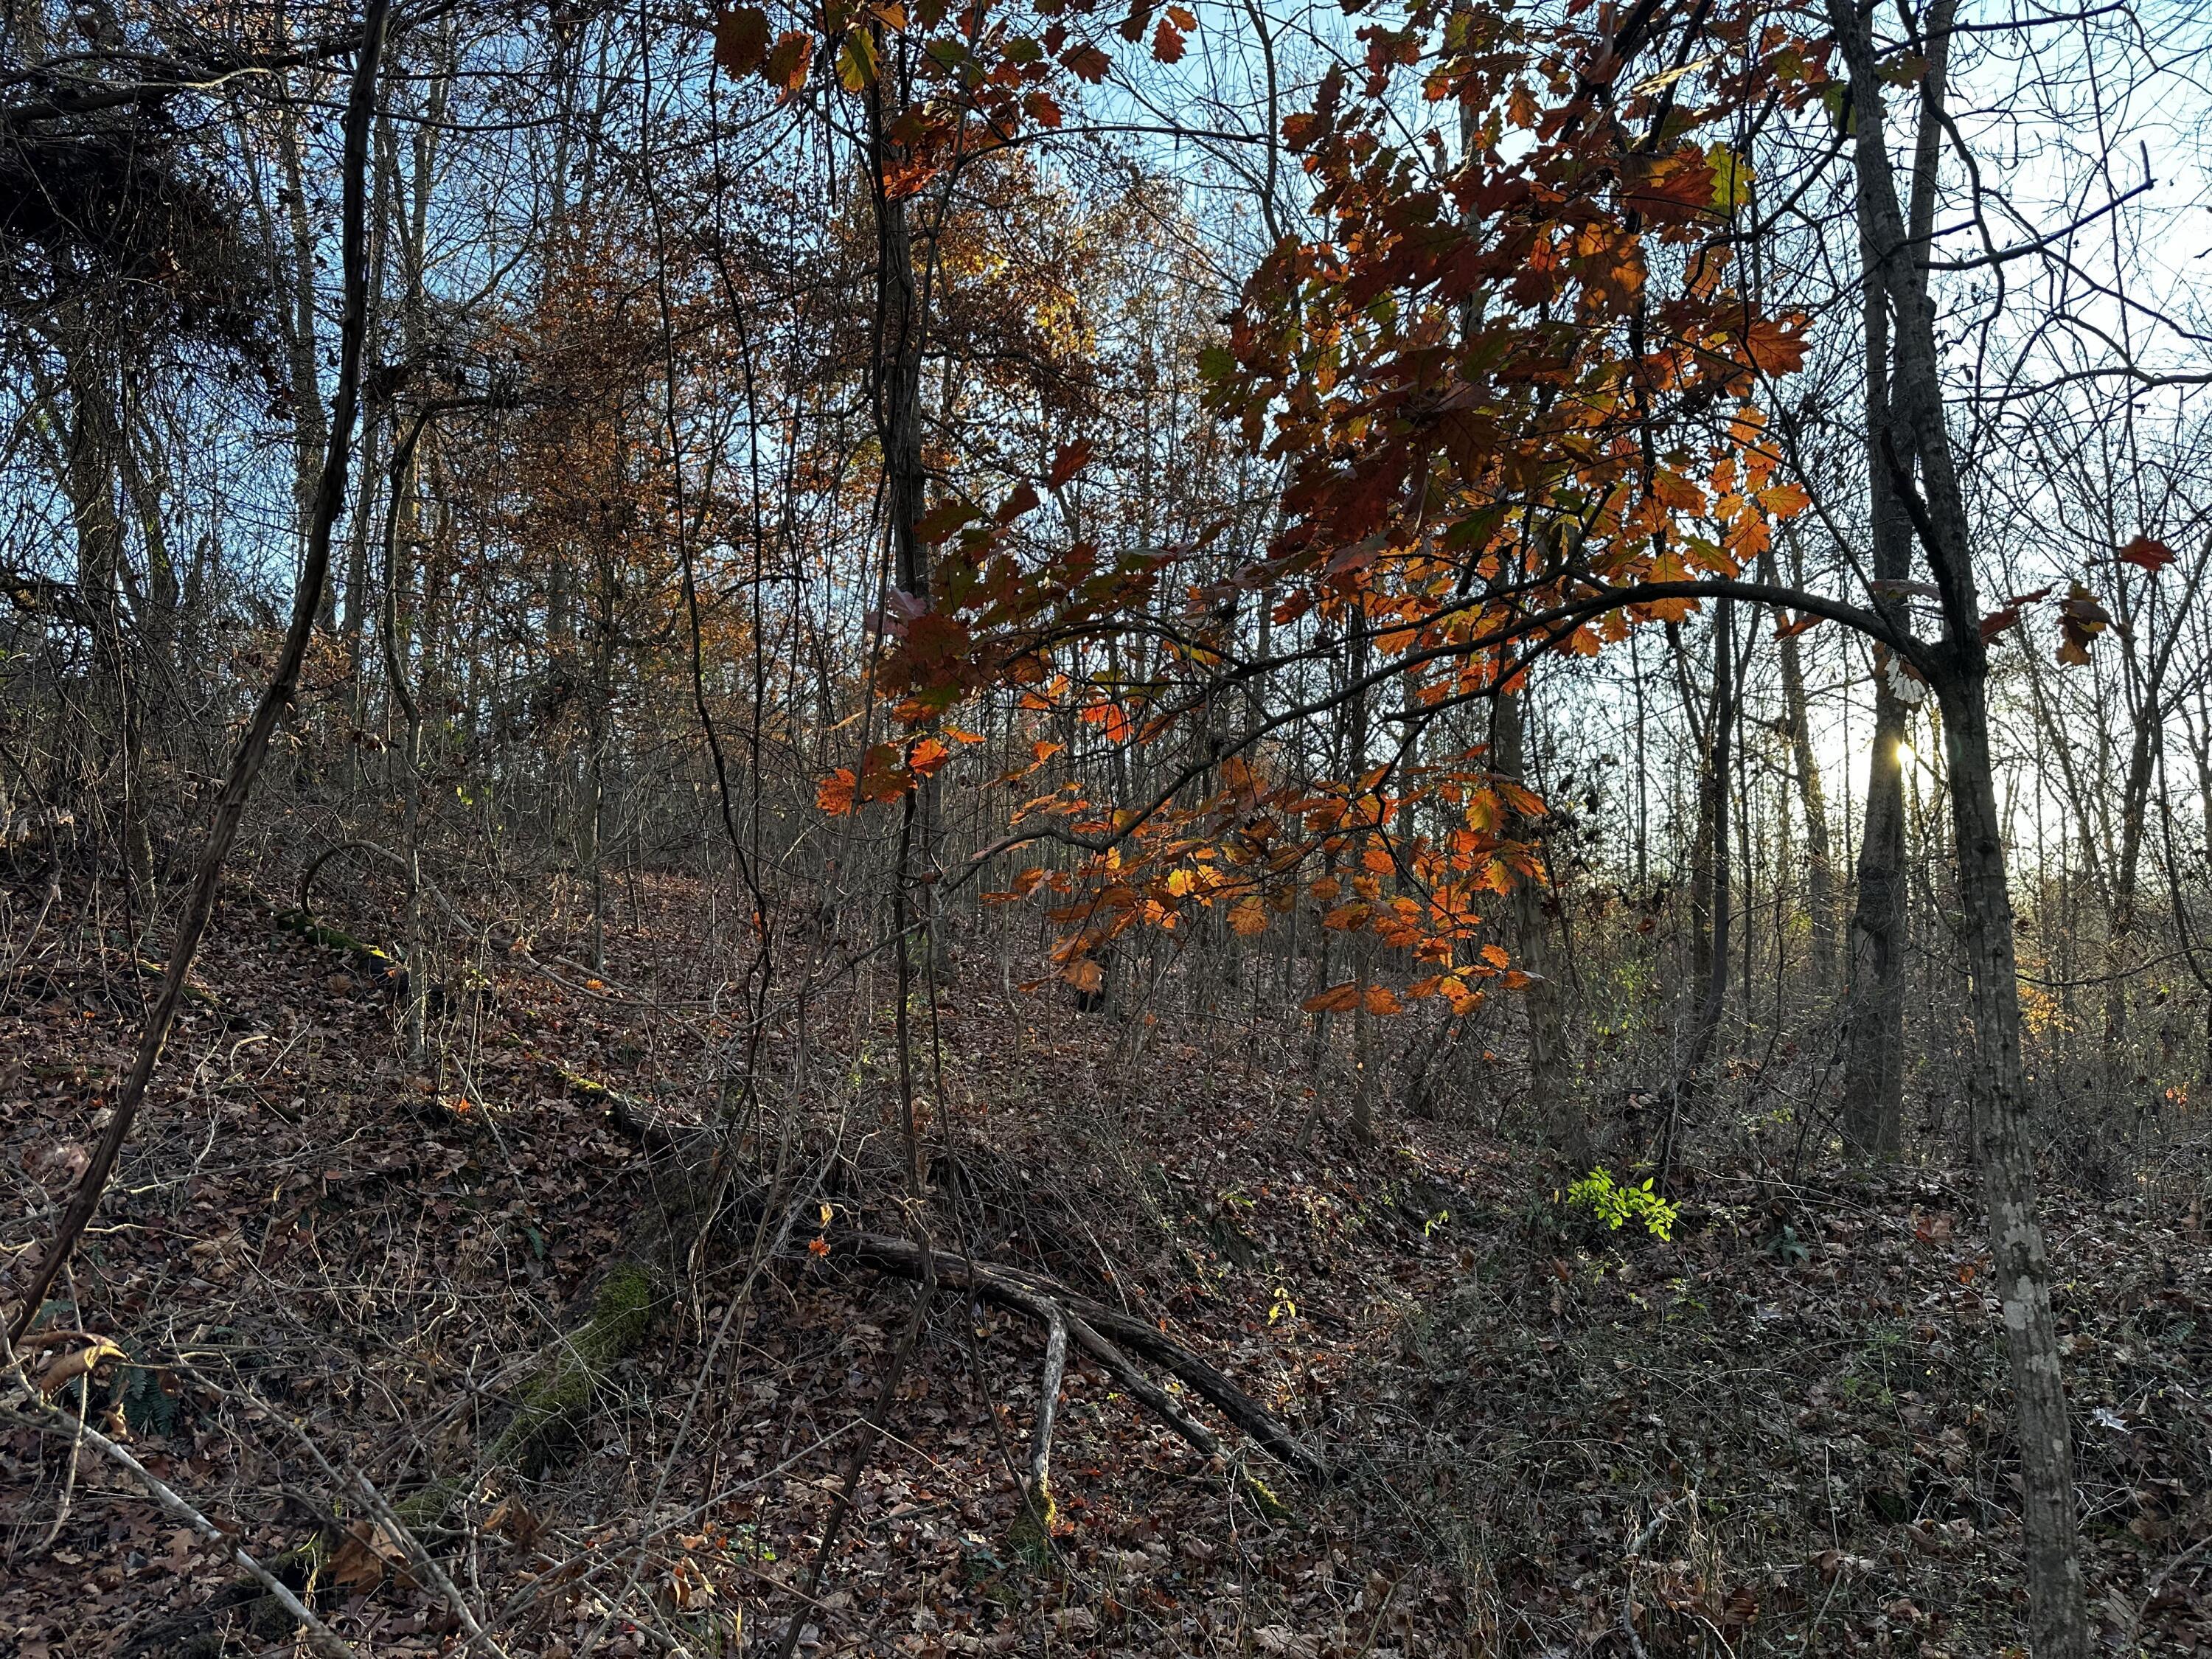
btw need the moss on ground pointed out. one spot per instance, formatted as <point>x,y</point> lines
<point>564,1388</point>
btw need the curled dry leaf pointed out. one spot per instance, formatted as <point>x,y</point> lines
<point>60,1373</point>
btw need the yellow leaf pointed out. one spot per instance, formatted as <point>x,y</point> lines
<point>856,63</point>
<point>70,1366</point>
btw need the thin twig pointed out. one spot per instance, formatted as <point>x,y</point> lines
<point>58,1421</point>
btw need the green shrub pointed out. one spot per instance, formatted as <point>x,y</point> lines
<point>1614,1204</point>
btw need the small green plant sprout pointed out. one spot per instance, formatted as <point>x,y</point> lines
<point>1282,1307</point>
<point>1786,1247</point>
<point>1615,1204</point>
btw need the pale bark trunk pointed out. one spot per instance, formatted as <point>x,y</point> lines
<point>1811,801</point>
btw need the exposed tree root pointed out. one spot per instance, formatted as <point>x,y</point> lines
<point>1097,1329</point>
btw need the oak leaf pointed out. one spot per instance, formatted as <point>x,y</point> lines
<point>2145,554</point>
<point>741,40</point>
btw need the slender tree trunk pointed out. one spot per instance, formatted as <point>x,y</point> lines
<point>1711,896</point>
<point>1361,942</point>
<point>310,420</point>
<point>400,506</point>
<point>1873,1020</point>
<point>1874,1023</point>
<point>894,372</point>
<point>1811,801</point>
<point>1714,811</point>
<point>1550,1082</point>
<point>1874,1040</point>
<point>93,476</point>
<point>2120,922</point>
<point>2058,1615</point>
<point>253,747</point>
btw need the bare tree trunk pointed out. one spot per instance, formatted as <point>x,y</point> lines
<point>2127,871</point>
<point>93,476</point>
<point>1550,1082</point>
<point>2058,1615</point>
<point>1873,1026</point>
<point>310,421</point>
<point>1361,942</point>
<point>2058,1612</point>
<point>1874,1039</point>
<point>1811,801</point>
<point>1873,1021</point>
<point>1711,954</point>
<point>895,375</point>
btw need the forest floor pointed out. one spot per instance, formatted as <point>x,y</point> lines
<point>1782,1431</point>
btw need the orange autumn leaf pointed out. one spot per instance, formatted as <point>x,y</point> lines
<point>1071,460</point>
<point>1088,62</point>
<point>1771,350</point>
<point>788,62</point>
<point>2145,554</point>
<point>1337,999</point>
<point>1677,492</point>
